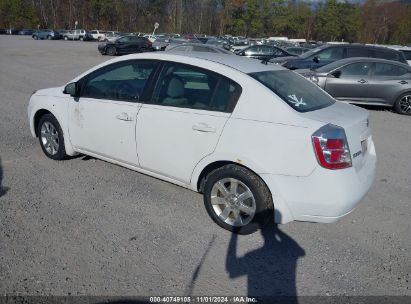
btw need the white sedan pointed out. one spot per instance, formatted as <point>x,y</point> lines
<point>259,141</point>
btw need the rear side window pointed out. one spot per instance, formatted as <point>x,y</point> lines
<point>385,69</point>
<point>407,54</point>
<point>386,55</point>
<point>357,52</point>
<point>299,93</point>
<point>185,86</point>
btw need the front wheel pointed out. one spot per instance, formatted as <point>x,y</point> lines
<point>35,38</point>
<point>81,38</point>
<point>51,137</point>
<point>111,51</point>
<point>403,104</point>
<point>65,38</point>
<point>237,199</point>
<point>48,37</point>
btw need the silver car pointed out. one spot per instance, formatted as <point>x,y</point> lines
<point>366,81</point>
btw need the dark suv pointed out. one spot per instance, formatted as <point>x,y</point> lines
<point>326,54</point>
<point>126,45</point>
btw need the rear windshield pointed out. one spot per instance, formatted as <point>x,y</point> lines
<point>301,94</point>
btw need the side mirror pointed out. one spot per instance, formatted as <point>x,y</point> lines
<point>71,89</point>
<point>336,74</point>
<point>316,59</point>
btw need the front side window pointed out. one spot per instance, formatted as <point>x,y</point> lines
<point>334,53</point>
<point>119,82</point>
<point>301,94</point>
<point>186,86</point>
<point>355,69</point>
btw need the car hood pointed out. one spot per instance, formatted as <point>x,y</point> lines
<point>56,91</point>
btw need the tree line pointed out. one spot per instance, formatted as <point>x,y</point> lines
<point>330,20</point>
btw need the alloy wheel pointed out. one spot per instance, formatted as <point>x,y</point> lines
<point>233,202</point>
<point>50,138</point>
<point>405,104</point>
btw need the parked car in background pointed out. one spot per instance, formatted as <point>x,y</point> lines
<point>160,44</point>
<point>197,47</point>
<point>126,45</point>
<point>295,50</point>
<point>219,42</point>
<point>12,31</point>
<point>263,52</point>
<point>98,35</point>
<point>27,32</point>
<point>366,81</point>
<point>45,34</point>
<point>78,34</point>
<point>3,31</point>
<point>326,54</point>
<point>260,142</point>
<point>111,36</point>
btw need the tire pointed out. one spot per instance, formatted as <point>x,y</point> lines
<point>403,104</point>
<point>242,216</point>
<point>111,51</point>
<point>48,37</point>
<point>51,137</point>
<point>35,37</point>
<point>65,38</point>
<point>81,38</point>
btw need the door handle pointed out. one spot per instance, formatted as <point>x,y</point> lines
<point>402,82</point>
<point>124,116</point>
<point>202,127</point>
<point>362,81</point>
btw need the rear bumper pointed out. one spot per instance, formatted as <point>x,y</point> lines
<point>325,195</point>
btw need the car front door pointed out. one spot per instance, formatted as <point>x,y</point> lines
<point>123,45</point>
<point>182,124</point>
<point>102,120</point>
<point>350,82</point>
<point>388,81</point>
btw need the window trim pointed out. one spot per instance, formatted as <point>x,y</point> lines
<point>230,106</point>
<point>145,93</point>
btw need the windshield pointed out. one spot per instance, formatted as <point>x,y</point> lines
<point>299,93</point>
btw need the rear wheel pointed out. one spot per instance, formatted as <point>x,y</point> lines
<point>48,37</point>
<point>403,104</point>
<point>35,37</point>
<point>65,38</point>
<point>237,199</point>
<point>51,137</point>
<point>81,38</point>
<point>111,50</point>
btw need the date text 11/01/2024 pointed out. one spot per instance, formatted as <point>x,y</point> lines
<point>203,299</point>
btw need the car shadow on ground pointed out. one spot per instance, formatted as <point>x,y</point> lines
<point>376,108</point>
<point>270,269</point>
<point>3,190</point>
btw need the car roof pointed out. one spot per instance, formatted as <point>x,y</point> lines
<point>245,65</point>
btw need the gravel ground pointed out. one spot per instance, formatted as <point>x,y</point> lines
<point>87,227</point>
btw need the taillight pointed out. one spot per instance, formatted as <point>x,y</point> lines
<point>331,147</point>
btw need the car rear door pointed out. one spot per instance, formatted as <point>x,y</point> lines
<point>183,122</point>
<point>102,120</point>
<point>388,81</point>
<point>352,84</point>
